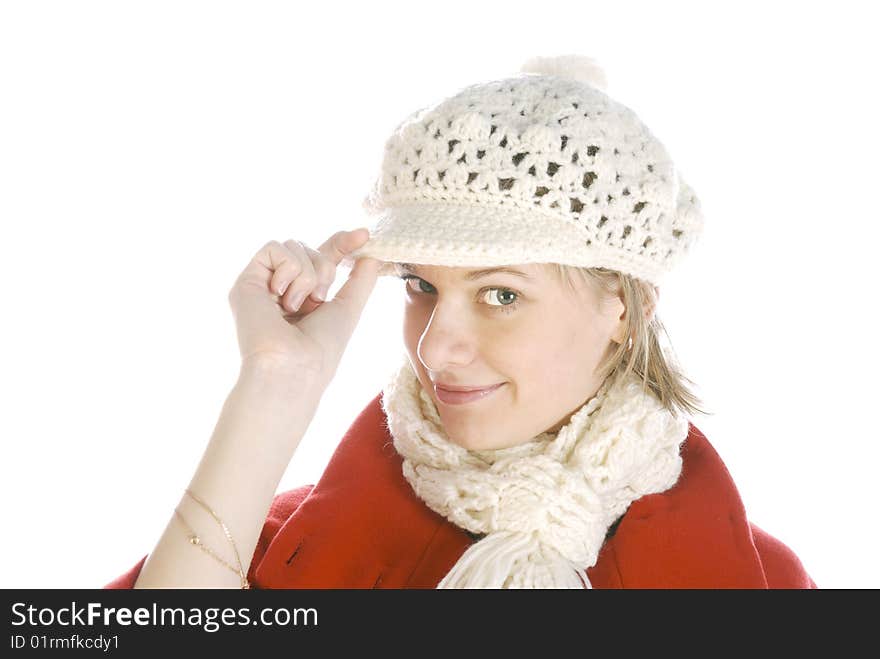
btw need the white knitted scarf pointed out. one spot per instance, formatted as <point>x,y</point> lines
<point>544,505</point>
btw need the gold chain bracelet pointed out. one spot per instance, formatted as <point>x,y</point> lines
<point>195,540</point>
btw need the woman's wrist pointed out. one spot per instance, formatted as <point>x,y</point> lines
<point>278,374</point>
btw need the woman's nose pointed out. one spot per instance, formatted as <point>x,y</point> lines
<point>447,340</point>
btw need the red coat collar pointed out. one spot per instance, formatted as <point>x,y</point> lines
<point>362,526</point>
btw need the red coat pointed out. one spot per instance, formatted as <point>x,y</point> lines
<point>362,526</point>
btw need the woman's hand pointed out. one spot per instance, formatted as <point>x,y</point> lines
<point>275,329</point>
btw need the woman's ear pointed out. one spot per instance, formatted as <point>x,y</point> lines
<point>619,333</point>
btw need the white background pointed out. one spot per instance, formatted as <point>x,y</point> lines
<point>148,150</point>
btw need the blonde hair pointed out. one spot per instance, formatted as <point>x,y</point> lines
<point>640,352</point>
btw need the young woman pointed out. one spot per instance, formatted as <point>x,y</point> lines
<point>535,433</point>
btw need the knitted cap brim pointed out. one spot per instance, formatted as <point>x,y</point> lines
<point>474,235</point>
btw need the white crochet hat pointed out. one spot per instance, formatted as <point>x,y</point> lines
<point>542,167</point>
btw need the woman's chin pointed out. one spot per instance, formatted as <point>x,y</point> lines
<point>478,441</point>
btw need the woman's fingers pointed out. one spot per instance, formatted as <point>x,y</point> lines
<point>296,271</point>
<point>279,264</point>
<point>325,261</point>
<point>297,274</point>
<point>325,271</point>
<point>289,270</point>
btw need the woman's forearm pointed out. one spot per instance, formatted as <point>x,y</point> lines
<point>263,420</point>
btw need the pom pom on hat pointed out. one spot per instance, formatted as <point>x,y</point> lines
<point>576,67</point>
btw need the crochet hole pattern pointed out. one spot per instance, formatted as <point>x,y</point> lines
<point>525,144</point>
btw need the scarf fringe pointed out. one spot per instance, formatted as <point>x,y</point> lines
<point>512,560</point>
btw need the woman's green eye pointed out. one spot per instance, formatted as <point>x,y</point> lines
<point>421,282</point>
<point>509,299</point>
<point>505,296</point>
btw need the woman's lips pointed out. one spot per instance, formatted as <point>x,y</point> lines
<point>461,397</point>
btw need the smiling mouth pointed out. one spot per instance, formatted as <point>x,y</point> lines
<point>464,389</point>
<point>460,397</point>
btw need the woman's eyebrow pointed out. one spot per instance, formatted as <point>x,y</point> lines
<point>474,274</point>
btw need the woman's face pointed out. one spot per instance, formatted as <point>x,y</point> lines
<point>532,333</point>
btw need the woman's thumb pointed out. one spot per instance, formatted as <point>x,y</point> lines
<point>364,271</point>
<point>361,281</point>
<point>356,238</point>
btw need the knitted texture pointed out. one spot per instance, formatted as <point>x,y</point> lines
<point>541,167</point>
<point>544,505</point>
